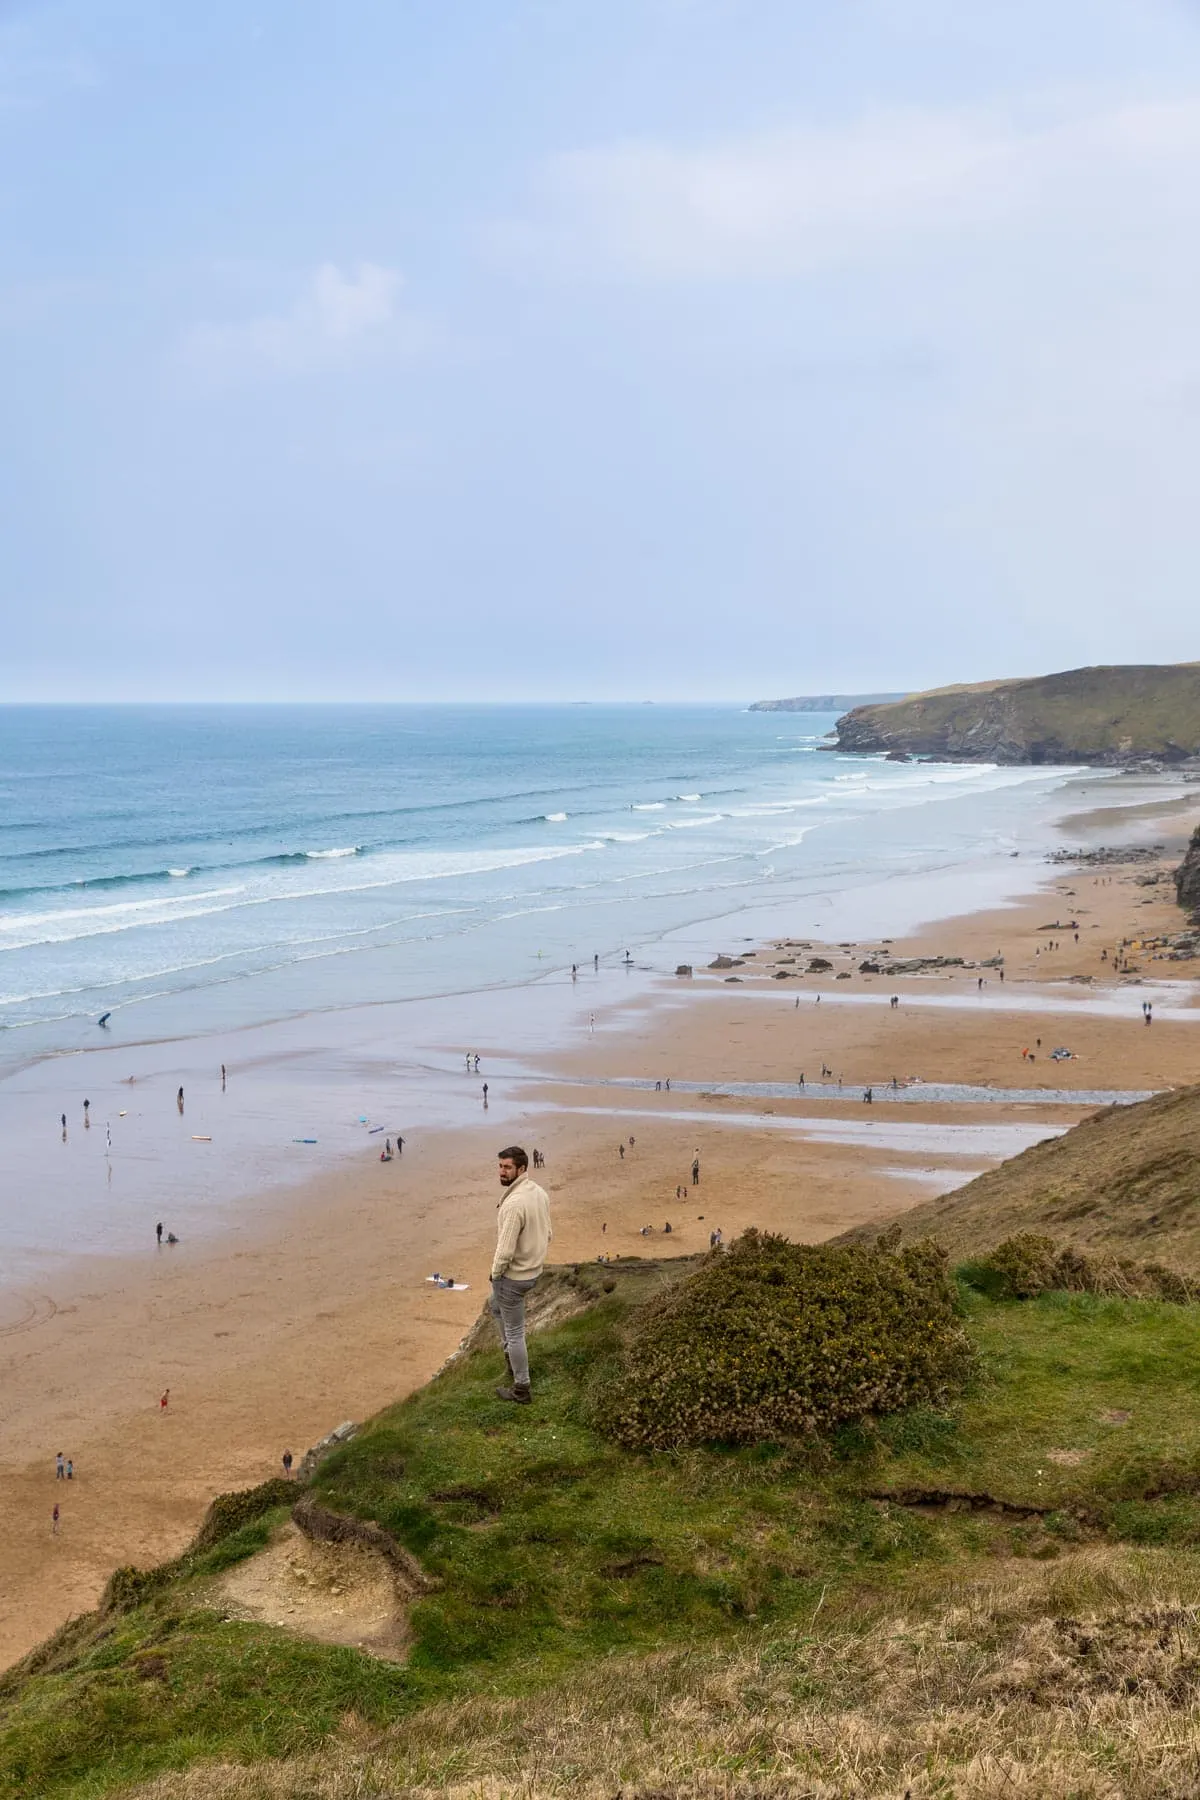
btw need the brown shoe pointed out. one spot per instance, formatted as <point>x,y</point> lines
<point>521,1395</point>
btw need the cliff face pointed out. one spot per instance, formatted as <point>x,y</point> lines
<point>821,703</point>
<point>1187,877</point>
<point>1101,715</point>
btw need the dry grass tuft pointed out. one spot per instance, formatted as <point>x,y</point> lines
<point>1079,1681</point>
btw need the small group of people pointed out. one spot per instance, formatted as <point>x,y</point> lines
<point>64,1468</point>
<point>170,1237</point>
<point>472,1063</point>
<point>87,1120</point>
<point>385,1155</point>
<point>539,1159</point>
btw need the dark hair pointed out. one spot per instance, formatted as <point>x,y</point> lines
<point>514,1153</point>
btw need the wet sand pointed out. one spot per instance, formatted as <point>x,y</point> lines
<point>310,1306</point>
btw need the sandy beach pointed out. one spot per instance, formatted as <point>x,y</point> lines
<point>314,1309</point>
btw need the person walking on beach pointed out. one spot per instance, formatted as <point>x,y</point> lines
<point>287,1464</point>
<point>60,1467</point>
<point>621,1151</point>
<point>485,1093</point>
<point>158,1231</point>
<point>70,1470</point>
<point>179,1099</point>
<point>696,1170</point>
<point>54,1521</point>
<point>86,1105</point>
<point>164,1397</point>
<point>523,1235</point>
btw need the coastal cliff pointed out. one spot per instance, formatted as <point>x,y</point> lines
<point>1101,715</point>
<point>1187,877</point>
<point>823,702</point>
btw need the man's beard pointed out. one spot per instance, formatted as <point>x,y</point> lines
<point>507,1180</point>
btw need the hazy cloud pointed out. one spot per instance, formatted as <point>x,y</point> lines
<point>799,199</point>
<point>339,316</point>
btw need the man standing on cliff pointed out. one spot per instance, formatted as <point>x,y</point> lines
<point>523,1234</point>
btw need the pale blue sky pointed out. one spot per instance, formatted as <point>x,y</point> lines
<point>594,348</point>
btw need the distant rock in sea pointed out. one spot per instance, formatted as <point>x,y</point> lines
<point>1126,713</point>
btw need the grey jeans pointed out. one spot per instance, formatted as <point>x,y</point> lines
<point>508,1309</point>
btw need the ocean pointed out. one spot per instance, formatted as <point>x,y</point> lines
<point>339,902</point>
<point>197,869</point>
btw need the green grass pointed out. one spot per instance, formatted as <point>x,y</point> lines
<point>1054,1367</point>
<point>553,1549</point>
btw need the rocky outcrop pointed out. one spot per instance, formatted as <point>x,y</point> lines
<point>341,1434</point>
<point>1117,715</point>
<point>1187,877</point>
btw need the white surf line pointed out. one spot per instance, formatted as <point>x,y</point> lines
<point>999,1141</point>
<point>1107,1005</point>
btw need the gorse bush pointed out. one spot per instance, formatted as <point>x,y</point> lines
<point>1029,1264</point>
<point>229,1512</point>
<point>772,1339</point>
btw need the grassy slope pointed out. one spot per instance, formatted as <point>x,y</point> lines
<point>1148,709</point>
<point>1126,1180</point>
<point>593,1592</point>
